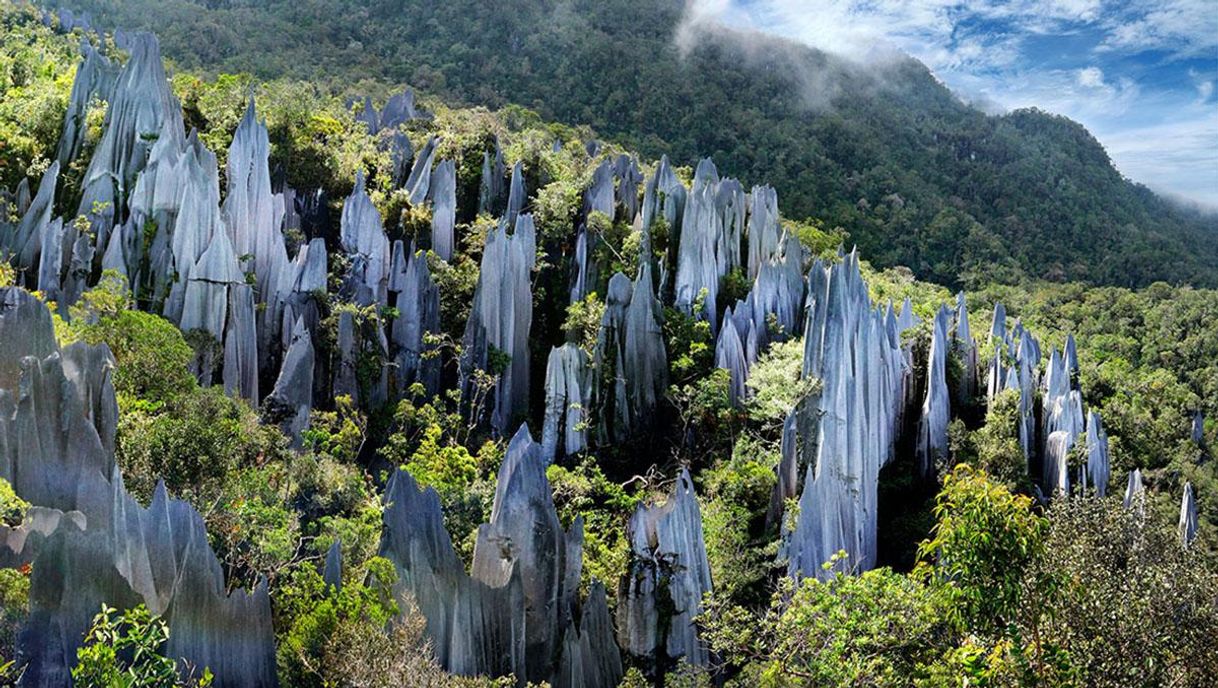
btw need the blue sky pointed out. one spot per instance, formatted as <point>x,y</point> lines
<point>1142,76</point>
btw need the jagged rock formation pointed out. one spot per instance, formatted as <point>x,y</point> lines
<point>1062,423</point>
<point>1096,473</point>
<point>965,347</point>
<point>1017,345</point>
<point>515,612</point>
<point>630,362</point>
<point>936,408</point>
<point>141,106</point>
<point>57,422</point>
<point>773,310</point>
<point>730,356</point>
<point>292,398</point>
<point>1188,516</point>
<point>332,572</point>
<point>668,556</point>
<point>491,189</point>
<point>663,197</point>
<point>94,78</point>
<point>444,209</point>
<point>1135,493</point>
<point>712,228</point>
<point>417,299</point>
<point>500,318</point>
<point>364,240</point>
<point>567,397</point>
<point>848,431</point>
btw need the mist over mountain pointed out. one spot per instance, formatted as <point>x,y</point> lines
<point>913,174</point>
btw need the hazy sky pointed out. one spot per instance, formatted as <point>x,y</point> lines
<point>1142,76</point>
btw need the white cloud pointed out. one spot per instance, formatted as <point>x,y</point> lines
<point>993,52</point>
<point>1091,77</point>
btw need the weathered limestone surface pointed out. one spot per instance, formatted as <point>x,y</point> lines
<point>630,362</point>
<point>417,299</point>
<point>141,104</point>
<point>664,197</point>
<point>364,240</point>
<point>1188,516</point>
<point>567,400</point>
<point>444,209</point>
<point>57,422</point>
<point>936,407</point>
<point>730,356</point>
<point>292,397</point>
<point>1097,471</point>
<point>516,612</point>
<point>95,77</point>
<point>965,348</point>
<point>848,432</point>
<point>667,551</point>
<point>1134,491</point>
<point>501,316</point>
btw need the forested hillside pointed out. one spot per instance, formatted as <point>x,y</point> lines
<point>885,151</point>
<point>303,388</point>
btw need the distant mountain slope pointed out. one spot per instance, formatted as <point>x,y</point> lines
<point>913,174</point>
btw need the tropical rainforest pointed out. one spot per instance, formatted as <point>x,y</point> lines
<point>478,344</point>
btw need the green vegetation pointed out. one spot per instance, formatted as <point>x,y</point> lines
<point>122,650</point>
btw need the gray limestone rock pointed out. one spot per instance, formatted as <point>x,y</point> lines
<point>730,356</point>
<point>57,421</point>
<point>500,318</point>
<point>35,226</point>
<point>332,573</point>
<point>292,398</point>
<point>936,407</point>
<point>1097,471</point>
<point>364,240</point>
<point>764,232</point>
<point>94,78</point>
<point>567,400</point>
<point>668,556</point>
<point>524,538</point>
<point>1135,493</point>
<point>444,209</point>
<point>1188,516</point>
<point>418,305</point>
<point>494,172</point>
<point>418,184</point>
<point>847,433</point>
<point>516,194</point>
<point>965,348</point>
<point>589,656</point>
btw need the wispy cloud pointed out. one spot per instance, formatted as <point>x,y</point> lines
<point>1126,69</point>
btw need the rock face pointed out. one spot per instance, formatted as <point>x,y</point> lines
<point>515,613</point>
<point>500,318</point>
<point>292,397</point>
<point>140,106</point>
<point>444,209</point>
<point>364,240</point>
<point>57,419</point>
<point>630,372</point>
<point>567,400</point>
<point>1062,423</point>
<point>712,228</point>
<point>1096,473</point>
<point>94,78</point>
<point>417,299</point>
<point>847,433</point>
<point>664,197</point>
<point>1188,516</point>
<point>965,348</point>
<point>1020,347</point>
<point>1134,492</point>
<point>668,557</point>
<point>936,407</point>
<point>730,356</point>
